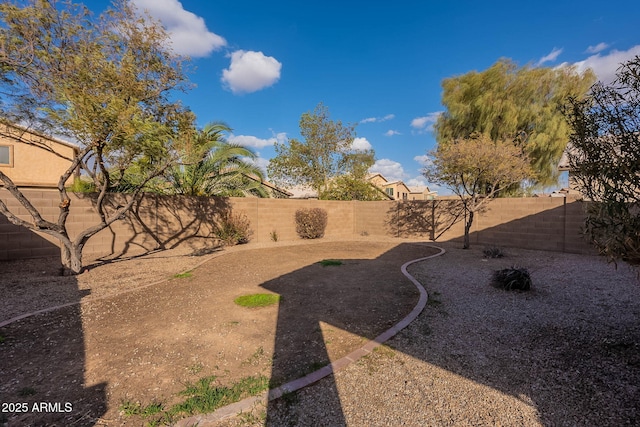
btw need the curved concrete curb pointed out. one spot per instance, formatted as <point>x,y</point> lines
<point>264,398</point>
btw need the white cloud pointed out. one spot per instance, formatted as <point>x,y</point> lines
<point>391,170</point>
<point>425,123</point>
<point>597,48</point>
<point>392,132</point>
<point>281,137</point>
<point>361,144</point>
<point>255,142</point>
<point>251,141</point>
<point>188,32</point>
<point>424,160</point>
<point>260,162</point>
<point>251,71</point>
<point>605,66</point>
<point>378,119</point>
<point>551,56</point>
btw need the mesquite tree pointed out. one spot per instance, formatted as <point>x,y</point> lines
<point>476,169</point>
<point>104,83</point>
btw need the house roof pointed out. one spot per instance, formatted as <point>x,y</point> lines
<point>371,176</point>
<point>421,190</point>
<point>302,192</point>
<point>14,131</point>
<point>270,185</point>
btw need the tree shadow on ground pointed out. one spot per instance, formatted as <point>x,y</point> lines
<point>42,380</point>
<point>304,339</point>
<point>587,364</point>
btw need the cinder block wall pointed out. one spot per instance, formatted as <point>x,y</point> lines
<point>532,223</point>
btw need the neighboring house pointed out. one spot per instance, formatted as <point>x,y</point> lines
<point>422,194</point>
<point>564,166</point>
<point>394,190</point>
<point>31,159</point>
<point>302,192</point>
<point>398,190</point>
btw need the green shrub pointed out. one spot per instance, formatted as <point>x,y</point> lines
<point>81,185</point>
<point>233,229</point>
<point>512,278</point>
<point>310,223</point>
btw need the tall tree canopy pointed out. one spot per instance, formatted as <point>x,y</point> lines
<point>475,169</point>
<point>518,104</point>
<point>325,153</point>
<point>105,82</point>
<point>604,159</point>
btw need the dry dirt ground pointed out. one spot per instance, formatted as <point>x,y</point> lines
<point>565,353</point>
<point>143,345</point>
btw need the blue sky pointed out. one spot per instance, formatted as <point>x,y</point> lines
<point>259,65</point>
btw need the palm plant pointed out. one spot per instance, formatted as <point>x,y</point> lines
<point>211,166</point>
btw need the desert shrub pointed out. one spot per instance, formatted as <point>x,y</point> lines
<point>604,159</point>
<point>512,278</point>
<point>493,252</point>
<point>614,229</point>
<point>310,223</point>
<point>233,228</point>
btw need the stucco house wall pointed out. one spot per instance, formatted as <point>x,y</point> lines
<point>32,159</point>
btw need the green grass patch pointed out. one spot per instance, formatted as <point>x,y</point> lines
<point>201,397</point>
<point>183,275</point>
<point>329,262</point>
<point>257,300</point>
<point>131,408</point>
<point>2,339</point>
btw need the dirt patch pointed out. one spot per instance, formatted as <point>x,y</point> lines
<point>80,363</point>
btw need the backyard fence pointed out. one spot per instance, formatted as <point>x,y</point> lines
<point>543,223</point>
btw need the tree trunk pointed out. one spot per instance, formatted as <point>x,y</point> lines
<point>467,228</point>
<point>71,257</point>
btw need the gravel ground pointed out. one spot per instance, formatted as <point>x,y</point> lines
<point>566,353</point>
